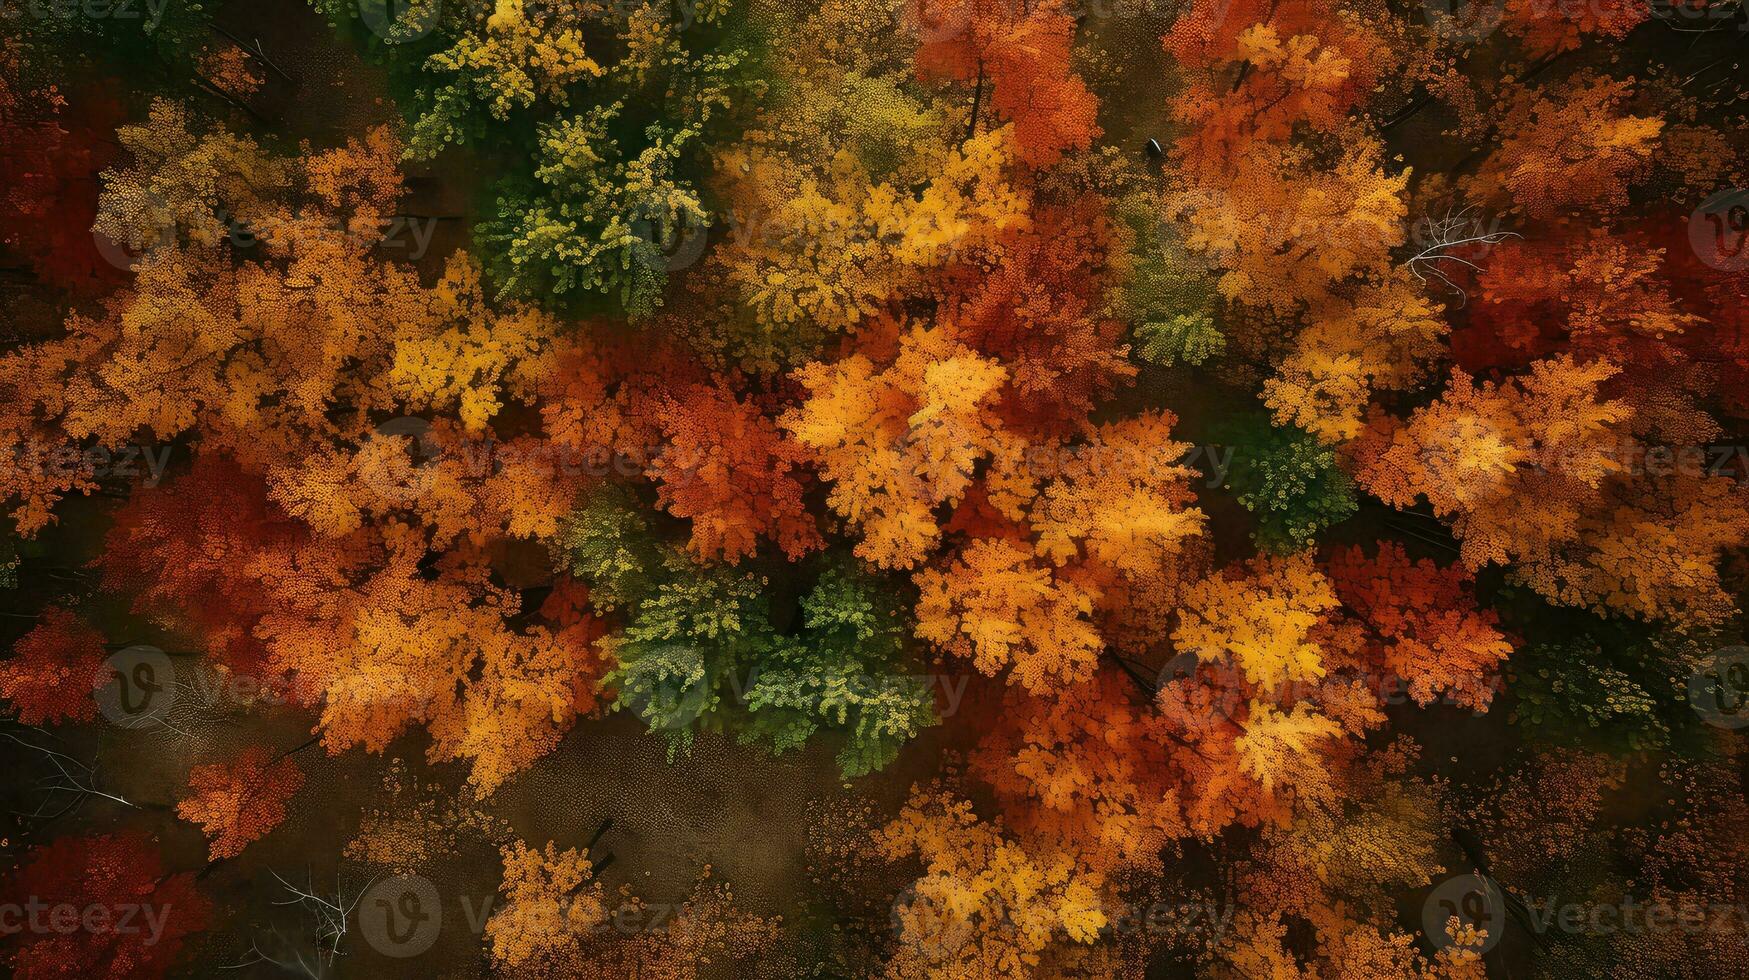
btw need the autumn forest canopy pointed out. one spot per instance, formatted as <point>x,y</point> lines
<point>1234,489</point>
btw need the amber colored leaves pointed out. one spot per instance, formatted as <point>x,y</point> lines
<point>1032,300</point>
<point>240,801</point>
<point>552,903</point>
<point>896,442</point>
<point>1262,616</point>
<point>1575,149</point>
<point>54,669</point>
<point>986,905</point>
<point>1290,228</point>
<point>1511,463</point>
<point>1082,768</point>
<point>999,607</point>
<point>1259,68</point>
<point>1549,29</point>
<point>1537,472</point>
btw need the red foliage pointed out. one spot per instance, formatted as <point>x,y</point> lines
<point>576,627</point>
<point>1258,68</point>
<point>1421,624</point>
<point>1037,309</point>
<point>100,908</point>
<point>190,547</point>
<point>51,150</point>
<point>54,669</point>
<point>242,800</point>
<point>726,466</point>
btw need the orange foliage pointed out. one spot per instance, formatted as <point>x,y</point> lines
<point>999,607</point>
<point>1020,52</point>
<point>896,442</point>
<point>728,468</point>
<point>986,906</point>
<point>1420,624</point>
<point>1573,149</point>
<point>240,801</point>
<point>1259,68</point>
<point>1080,770</point>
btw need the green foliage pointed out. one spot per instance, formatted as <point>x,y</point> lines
<point>601,119</point>
<point>1617,697</point>
<point>1164,292</point>
<point>881,123</point>
<point>700,629</point>
<point>595,221</point>
<point>156,38</point>
<point>836,677</point>
<point>609,544</point>
<point>700,650</point>
<point>1185,338</point>
<point>1289,481</point>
